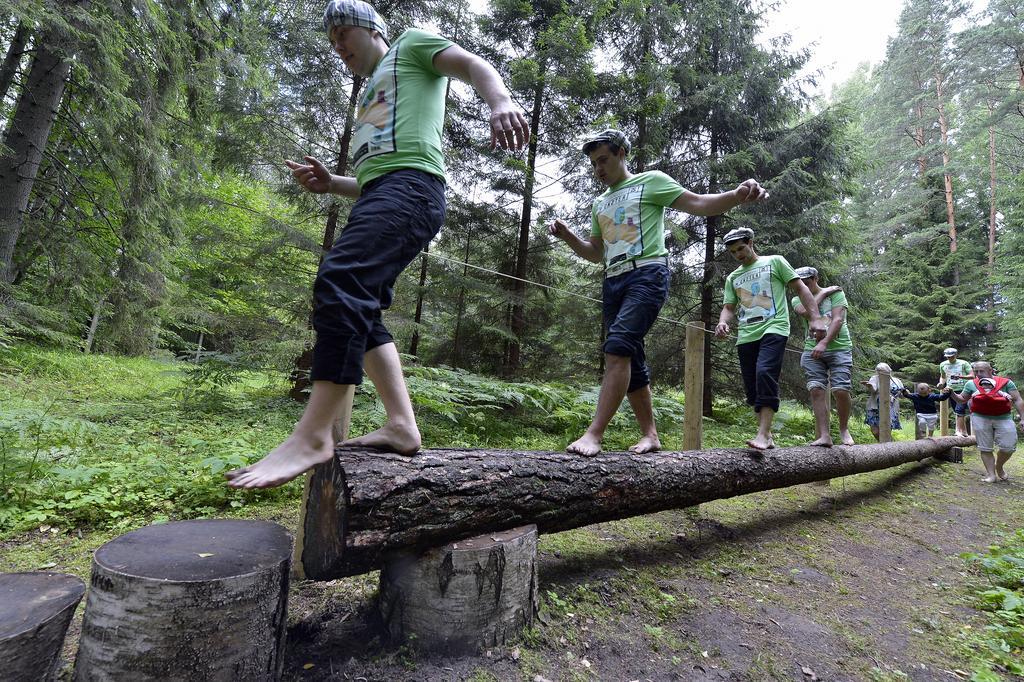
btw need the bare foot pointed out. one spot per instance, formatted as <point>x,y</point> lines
<point>288,460</point>
<point>587,445</point>
<point>390,438</point>
<point>761,443</point>
<point>959,434</point>
<point>646,444</point>
<point>823,442</point>
<point>989,479</point>
<point>846,439</point>
<point>1002,475</point>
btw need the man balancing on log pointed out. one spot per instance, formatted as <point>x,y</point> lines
<point>399,184</point>
<point>628,233</point>
<point>758,289</point>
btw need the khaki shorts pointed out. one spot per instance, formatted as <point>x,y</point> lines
<point>999,432</point>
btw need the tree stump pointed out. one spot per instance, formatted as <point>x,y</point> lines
<point>35,610</point>
<point>193,600</point>
<point>465,596</point>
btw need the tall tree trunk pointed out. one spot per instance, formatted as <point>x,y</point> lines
<point>990,327</point>
<point>94,323</point>
<point>918,134</point>
<point>26,138</point>
<point>712,224</point>
<point>414,344</point>
<point>518,321</point>
<point>947,176</point>
<point>14,54</point>
<point>456,339</point>
<point>304,362</point>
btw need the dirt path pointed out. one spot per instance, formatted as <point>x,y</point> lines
<point>862,580</point>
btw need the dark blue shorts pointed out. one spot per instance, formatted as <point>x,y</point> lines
<point>394,219</point>
<point>959,409</point>
<point>631,303</point>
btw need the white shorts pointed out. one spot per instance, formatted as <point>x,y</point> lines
<point>999,432</point>
<point>929,420</point>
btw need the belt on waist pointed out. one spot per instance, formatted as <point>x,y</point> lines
<point>629,266</point>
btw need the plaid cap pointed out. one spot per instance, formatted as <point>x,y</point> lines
<point>806,272</point>
<point>949,351</point>
<point>354,13</point>
<point>609,136</point>
<point>738,234</point>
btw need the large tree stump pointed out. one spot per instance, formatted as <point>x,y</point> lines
<point>35,610</point>
<point>466,596</point>
<point>364,505</point>
<point>193,600</point>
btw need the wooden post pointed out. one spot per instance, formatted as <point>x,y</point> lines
<point>693,388</point>
<point>340,434</point>
<point>884,407</point>
<point>466,596</point>
<point>190,600</point>
<point>35,611</point>
<point>944,418</point>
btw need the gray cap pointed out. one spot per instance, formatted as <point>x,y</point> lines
<point>949,351</point>
<point>738,234</point>
<point>806,272</point>
<point>354,13</point>
<point>608,136</point>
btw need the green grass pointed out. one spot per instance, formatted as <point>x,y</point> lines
<point>100,442</point>
<point>997,650</point>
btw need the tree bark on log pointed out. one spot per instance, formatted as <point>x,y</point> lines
<point>363,505</point>
<point>35,610</point>
<point>192,600</point>
<point>466,596</point>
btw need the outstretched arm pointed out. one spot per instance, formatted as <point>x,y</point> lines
<point>509,129</point>
<point>592,250</point>
<point>825,293</point>
<point>746,192</point>
<point>315,177</point>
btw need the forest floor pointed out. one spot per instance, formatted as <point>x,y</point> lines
<point>864,579</point>
<point>860,580</point>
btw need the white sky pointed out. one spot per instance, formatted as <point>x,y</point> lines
<point>840,33</point>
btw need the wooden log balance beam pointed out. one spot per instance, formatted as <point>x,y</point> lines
<point>365,506</point>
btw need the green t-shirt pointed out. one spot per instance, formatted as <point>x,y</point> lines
<point>630,217</point>
<point>946,368</point>
<point>758,291</point>
<point>970,389</point>
<point>402,110</point>
<point>842,341</point>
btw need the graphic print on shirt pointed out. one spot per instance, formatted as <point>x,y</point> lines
<point>618,216</point>
<point>374,132</point>
<point>754,291</point>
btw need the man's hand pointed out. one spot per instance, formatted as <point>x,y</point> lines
<point>314,176</point>
<point>750,191</point>
<point>828,291</point>
<point>722,330</point>
<point>558,229</point>
<point>509,129</point>
<point>819,350</point>
<point>818,328</point>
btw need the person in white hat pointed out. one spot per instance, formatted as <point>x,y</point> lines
<point>399,185</point>
<point>955,373</point>
<point>627,233</point>
<point>755,296</point>
<point>828,361</point>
